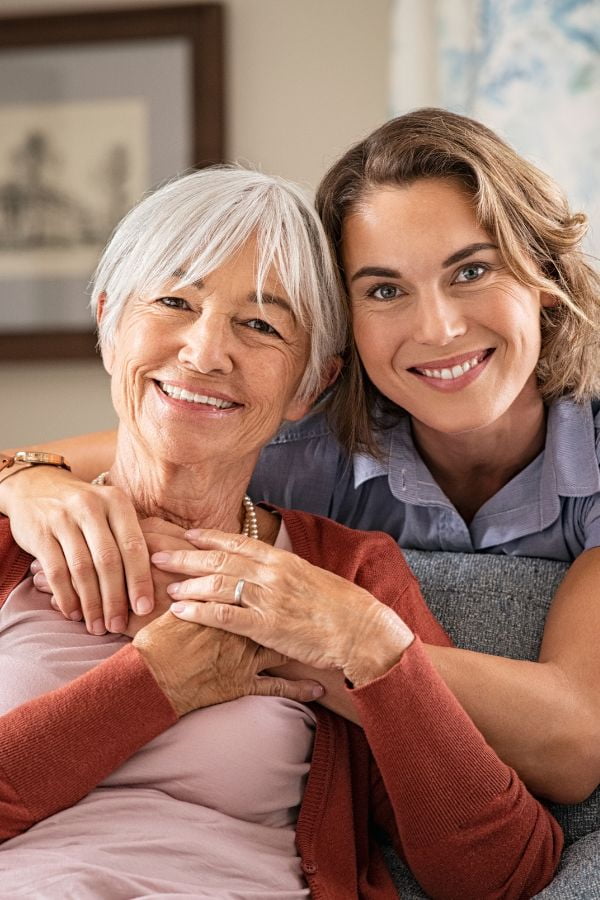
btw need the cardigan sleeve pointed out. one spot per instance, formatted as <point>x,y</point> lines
<point>56,748</point>
<point>463,820</point>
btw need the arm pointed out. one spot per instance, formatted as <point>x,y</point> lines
<point>88,454</point>
<point>87,538</point>
<point>56,748</point>
<point>543,717</point>
<point>463,821</point>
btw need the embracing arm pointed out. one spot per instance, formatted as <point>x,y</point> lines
<point>88,454</point>
<point>542,718</point>
<point>87,538</point>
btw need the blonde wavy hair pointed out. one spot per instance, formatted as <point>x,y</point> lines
<point>519,206</point>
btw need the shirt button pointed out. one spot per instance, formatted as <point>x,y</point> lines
<point>309,868</point>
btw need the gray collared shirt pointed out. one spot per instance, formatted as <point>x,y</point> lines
<point>550,509</point>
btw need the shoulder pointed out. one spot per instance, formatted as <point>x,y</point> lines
<point>298,468</point>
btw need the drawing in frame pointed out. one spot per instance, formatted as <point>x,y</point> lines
<point>95,109</point>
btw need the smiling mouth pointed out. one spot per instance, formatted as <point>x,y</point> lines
<point>178,393</point>
<point>457,371</point>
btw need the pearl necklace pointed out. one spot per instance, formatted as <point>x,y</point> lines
<point>249,525</point>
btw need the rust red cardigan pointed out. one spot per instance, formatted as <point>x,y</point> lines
<point>463,820</point>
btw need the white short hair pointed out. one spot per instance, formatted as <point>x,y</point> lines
<point>196,222</point>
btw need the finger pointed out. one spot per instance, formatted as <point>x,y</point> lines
<point>303,691</point>
<point>35,566</point>
<point>224,588</point>
<point>207,562</point>
<point>82,568</point>
<point>238,544</point>
<point>58,578</point>
<point>216,615</point>
<point>136,558</point>
<point>41,583</point>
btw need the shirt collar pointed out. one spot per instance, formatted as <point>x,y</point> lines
<point>409,478</point>
<point>570,465</point>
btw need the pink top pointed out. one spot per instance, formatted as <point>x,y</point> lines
<point>213,801</point>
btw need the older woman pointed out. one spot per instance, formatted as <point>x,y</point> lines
<point>473,382</point>
<point>210,300</point>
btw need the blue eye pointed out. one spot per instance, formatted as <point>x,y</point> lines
<point>262,326</point>
<point>470,273</point>
<point>384,292</point>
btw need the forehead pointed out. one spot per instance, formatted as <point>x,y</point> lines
<point>436,213</point>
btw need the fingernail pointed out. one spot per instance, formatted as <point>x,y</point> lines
<point>318,691</point>
<point>192,535</point>
<point>76,616</point>
<point>35,566</point>
<point>160,557</point>
<point>178,607</point>
<point>143,605</point>
<point>117,624</point>
<point>98,627</point>
<point>174,588</point>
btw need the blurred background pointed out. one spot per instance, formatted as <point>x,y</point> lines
<point>302,80</point>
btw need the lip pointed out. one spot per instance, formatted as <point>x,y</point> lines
<point>455,384</point>
<point>196,408</point>
<point>451,360</point>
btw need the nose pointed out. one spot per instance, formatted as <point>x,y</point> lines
<point>207,344</point>
<point>438,319</point>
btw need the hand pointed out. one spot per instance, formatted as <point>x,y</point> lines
<point>159,535</point>
<point>305,612</point>
<point>197,667</point>
<point>87,540</point>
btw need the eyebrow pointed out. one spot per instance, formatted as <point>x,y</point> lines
<point>252,297</point>
<point>275,299</point>
<point>387,272</point>
<point>467,251</point>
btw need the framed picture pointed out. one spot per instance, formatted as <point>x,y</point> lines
<point>95,109</point>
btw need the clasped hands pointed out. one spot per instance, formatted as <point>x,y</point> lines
<point>290,606</point>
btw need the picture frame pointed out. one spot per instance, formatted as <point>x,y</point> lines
<point>96,108</point>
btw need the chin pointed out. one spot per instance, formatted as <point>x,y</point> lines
<point>459,424</point>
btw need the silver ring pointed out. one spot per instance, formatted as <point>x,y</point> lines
<point>237,594</point>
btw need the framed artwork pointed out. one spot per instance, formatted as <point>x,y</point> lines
<point>95,109</point>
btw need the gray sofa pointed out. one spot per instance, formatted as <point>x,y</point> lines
<point>498,604</point>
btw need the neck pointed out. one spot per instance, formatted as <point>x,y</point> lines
<point>472,467</point>
<point>207,494</point>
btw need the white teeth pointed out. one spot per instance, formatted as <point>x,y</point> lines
<point>181,394</point>
<point>454,372</point>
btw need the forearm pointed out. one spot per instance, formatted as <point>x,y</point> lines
<point>467,825</point>
<point>530,714</point>
<point>87,454</point>
<point>56,748</point>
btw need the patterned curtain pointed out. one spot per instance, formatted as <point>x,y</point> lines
<point>529,69</point>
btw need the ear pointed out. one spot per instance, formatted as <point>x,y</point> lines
<point>547,301</point>
<point>297,409</point>
<point>107,354</point>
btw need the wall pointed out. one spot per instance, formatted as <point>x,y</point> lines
<point>305,78</point>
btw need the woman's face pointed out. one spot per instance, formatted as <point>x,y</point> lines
<point>443,328</point>
<point>203,371</point>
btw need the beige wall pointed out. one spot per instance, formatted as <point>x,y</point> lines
<point>305,78</point>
